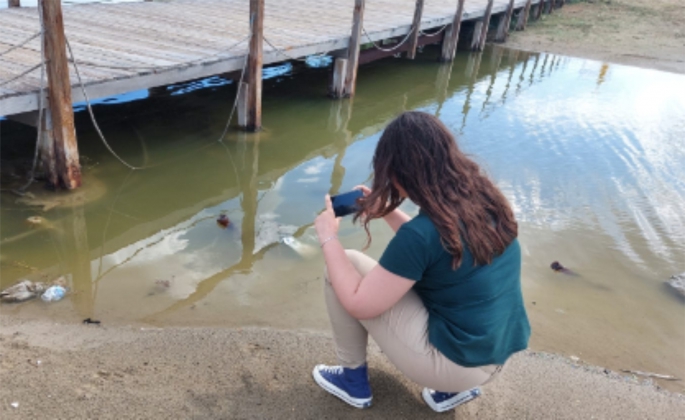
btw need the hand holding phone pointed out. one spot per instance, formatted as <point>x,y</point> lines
<point>344,204</point>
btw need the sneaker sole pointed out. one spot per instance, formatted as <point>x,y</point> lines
<point>438,408</point>
<point>328,387</point>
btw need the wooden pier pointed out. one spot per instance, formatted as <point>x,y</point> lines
<point>130,46</point>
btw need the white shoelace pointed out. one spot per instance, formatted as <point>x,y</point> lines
<point>337,370</point>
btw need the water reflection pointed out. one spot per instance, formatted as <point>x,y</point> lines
<point>590,156</point>
<point>147,230</point>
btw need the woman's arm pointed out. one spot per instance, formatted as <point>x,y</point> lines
<point>362,297</point>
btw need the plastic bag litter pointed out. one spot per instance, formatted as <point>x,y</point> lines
<point>54,293</point>
<point>301,248</point>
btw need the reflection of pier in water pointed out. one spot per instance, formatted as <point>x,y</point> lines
<point>82,256</point>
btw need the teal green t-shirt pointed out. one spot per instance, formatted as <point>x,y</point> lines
<point>476,315</point>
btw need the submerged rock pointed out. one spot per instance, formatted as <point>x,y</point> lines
<point>677,283</point>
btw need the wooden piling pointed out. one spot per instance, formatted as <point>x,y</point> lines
<point>539,8</point>
<point>416,28</point>
<point>451,39</point>
<point>242,104</point>
<point>522,20</point>
<point>353,48</point>
<point>67,169</point>
<point>475,37</point>
<point>480,34</point>
<point>337,87</point>
<point>504,24</point>
<point>13,3</point>
<point>252,97</point>
<point>46,148</point>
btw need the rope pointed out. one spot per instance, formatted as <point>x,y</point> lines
<point>6,82</point>
<point>290,57</point>
<point>41,95</point>
<point>154,68</point>
<point>396,46</point>
<point>430,35</point>
<point>90,110</point>
<point>235,103</point>
<point>21,44</point>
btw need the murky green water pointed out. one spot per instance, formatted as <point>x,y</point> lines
<point>590,155</point>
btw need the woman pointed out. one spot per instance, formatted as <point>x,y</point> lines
<point>444,302</point>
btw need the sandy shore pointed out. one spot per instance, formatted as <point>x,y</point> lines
<point>641,33</point>
<point>87,371</point>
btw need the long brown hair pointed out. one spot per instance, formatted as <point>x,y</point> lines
<point>418,153</point>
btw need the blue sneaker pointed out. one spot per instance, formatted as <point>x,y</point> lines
<point>443,401</point>
<point>350,385</point>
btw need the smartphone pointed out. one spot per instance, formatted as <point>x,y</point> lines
<point>344,204</point>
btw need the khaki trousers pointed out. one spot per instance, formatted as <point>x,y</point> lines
<point>402,334</point>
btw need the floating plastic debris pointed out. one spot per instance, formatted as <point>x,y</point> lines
<point>303,249</point>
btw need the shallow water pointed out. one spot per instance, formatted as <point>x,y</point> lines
<point>589,154</point>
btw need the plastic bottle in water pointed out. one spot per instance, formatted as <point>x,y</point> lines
<point>54,293</point>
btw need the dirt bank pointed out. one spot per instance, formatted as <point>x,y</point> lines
<point>85,371</point>
<point>641,33</point>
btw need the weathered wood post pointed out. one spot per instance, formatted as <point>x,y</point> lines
<point>66,171</point>
<point>451,39</point>
<point>337,88</point>
<point>522,20</point>
<point>538,10</point>
<point>480,34</point>
<point>505,23</point>
<point>550,7</point>
<point>353,48</point>
<point>416,28</point>
<point>250,95</point>
<point>344,78</point>
<point>13,3</point>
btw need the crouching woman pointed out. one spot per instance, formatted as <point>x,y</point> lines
<point>444,302</point>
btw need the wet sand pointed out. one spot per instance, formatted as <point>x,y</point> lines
<point>88,371</point>
<point>648,34</point>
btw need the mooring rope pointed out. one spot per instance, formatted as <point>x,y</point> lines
<point>282,51</point>
<point>21,44</point>
<point>90,110</point>
<point>430,35</point>
<point>237,98</point>
<point>394,47</point>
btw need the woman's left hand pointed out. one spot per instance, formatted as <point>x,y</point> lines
<point>326,223</point>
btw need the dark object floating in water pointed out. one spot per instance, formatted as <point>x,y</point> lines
<point>223,221</point>
<point>556,266</point>
<point>91,321</point>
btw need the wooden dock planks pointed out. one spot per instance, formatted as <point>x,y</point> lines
<point>130,46</point>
